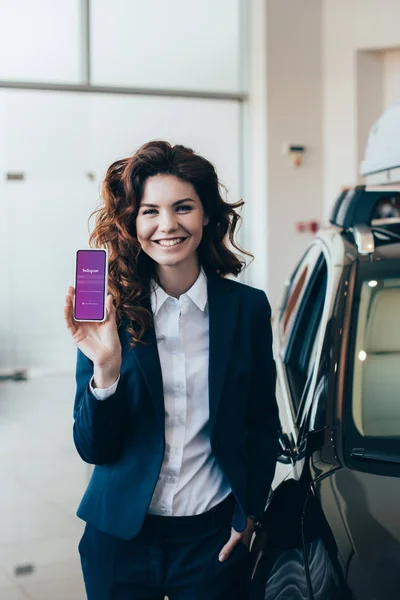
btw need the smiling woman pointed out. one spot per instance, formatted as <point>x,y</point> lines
<point>163,210</point>
<point>175,400</point>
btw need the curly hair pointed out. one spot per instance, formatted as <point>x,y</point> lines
<point>131,271</point>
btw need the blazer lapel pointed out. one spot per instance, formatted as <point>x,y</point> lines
<point>223,301</point>
<point>147,357</point>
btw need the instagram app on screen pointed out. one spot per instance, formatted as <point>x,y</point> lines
<point>90,285</point>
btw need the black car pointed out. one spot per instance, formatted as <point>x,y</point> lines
<point>332,525</point>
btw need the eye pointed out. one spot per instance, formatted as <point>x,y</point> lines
<point>184,208</point>
<point>149,211</point>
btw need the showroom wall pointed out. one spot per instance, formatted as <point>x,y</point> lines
<point>255,148</point>
<point>56,145</point>
<point>391,77</point>
<point>63,159</point>
<point>294,116</point>
<point>307,66</point>
<point>333,66</point>
<point>351,27</point>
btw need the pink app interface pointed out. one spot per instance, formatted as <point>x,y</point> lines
<point>90,282</point>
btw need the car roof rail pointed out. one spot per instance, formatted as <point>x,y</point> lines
<point>357,206</point>
<point>354,211</point>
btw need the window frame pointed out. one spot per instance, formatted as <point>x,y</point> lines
<point>315,259</point>
<point>303,339</point>
<point>308,261</point>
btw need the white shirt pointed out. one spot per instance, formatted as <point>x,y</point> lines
<point>190,480</point>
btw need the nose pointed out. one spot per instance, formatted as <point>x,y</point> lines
<point>168,221</point>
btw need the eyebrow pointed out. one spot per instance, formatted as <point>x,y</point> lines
<point>174,204</point>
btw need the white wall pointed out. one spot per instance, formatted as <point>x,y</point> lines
<point>294,112</point>
<point>40,40</point>
<point>255,149</point>
<point>328,78</point>
<point>348,27</point>
<point>176,44</point>
<point>391,77</point>
<point>5,238</point>
<point>369,85</point>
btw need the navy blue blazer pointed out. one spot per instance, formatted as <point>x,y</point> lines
<point>124,434</point>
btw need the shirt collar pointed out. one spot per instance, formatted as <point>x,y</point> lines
<point>198,291</point>
<point>197,294</point>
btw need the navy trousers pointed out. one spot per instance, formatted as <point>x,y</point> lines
<point>172,556</point>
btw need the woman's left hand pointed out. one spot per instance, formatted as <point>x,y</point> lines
<point>244,537</point>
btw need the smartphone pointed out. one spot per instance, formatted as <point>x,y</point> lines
<point>91,277</point>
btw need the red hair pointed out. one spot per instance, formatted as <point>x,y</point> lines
<point>130,270</point>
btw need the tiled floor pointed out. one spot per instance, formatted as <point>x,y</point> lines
<point>41,482</point>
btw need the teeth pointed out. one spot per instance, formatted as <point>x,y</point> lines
<point>170,242</point>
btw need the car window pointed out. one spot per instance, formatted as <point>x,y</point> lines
<point>301,347</point>
<point>313,353</point>
<point>294,296</point>
<point>387,207</point>
<point>376,399</point>
<point>295,293</point>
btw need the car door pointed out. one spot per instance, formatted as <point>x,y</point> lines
<point>323,571</point>
<point>360,499</point>
<point>281,570</point>
<point>316,451</point>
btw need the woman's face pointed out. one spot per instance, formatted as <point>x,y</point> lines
<point>170,221</point>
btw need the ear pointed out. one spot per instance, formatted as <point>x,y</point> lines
<point>206,220</point>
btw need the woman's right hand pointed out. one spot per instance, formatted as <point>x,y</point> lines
<point>98,341</point>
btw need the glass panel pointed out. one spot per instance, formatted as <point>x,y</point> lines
<point>305,333</point>
<point>5,236</point>
<point>175,44</point>
<point>47,227</point>
<point>294,294</point>
<point>47,134</point>
<point>210,127</point>
<point>40,40</point>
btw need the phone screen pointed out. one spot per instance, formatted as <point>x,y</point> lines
<point>90,282</point>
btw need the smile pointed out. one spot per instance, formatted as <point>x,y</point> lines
<point>171,242</point>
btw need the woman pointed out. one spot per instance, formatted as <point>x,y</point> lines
<point>175,400</point>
